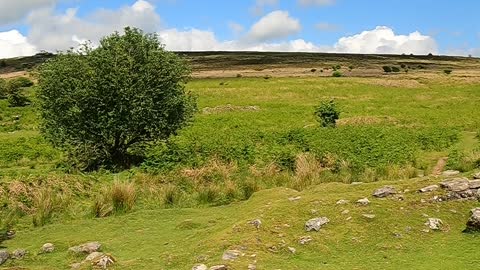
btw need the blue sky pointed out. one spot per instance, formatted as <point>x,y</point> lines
<point>393,26</point>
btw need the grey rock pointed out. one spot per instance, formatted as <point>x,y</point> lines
<point>434,223</point>
<point>292,250</point>
<point>315,224</point>
<point>252,267</point>
<point>4,256</point>
<point>473,223</point>
<point>93,256</point>
<point>450,173</point>
<point>75,266</point>
<point>219,267</point>
<point>476,176</point>
<point>305,240</point>
<point>474,184</point>
<point>345,212</point>
<point>104,261</point>
<point>294,199</point>
<point>200,267</point>
<point>256,223</point>
<point>456,185</point>
<point>364,201</point>
<point>18,254</point>
<point>342,202</point>
<point>47,248</point>
<point>86,248</point>
<point>231,255</point>
<point>356,183</point>
<point>429,189</point>
<point>368,216</point>
<point>384,192</point>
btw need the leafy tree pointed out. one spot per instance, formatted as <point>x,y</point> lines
<point>14,92</point>
<point>387,69</point>
<point>103,105</point>
<point>327,113</point>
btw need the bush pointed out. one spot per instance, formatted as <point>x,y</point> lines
<point>105,104</point>
<point>448,71</point>
<point>395,69</point>
<point>327,113</point>
<point>337,74</point>
<point>387,69</point>
<point>14,94</point>
<point>313,70</point>
<point>21,82</point>
<point>3,89</point>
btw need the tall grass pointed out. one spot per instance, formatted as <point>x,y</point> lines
<point>118,198</point>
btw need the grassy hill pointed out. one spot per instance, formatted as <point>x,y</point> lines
<point>254,144</point>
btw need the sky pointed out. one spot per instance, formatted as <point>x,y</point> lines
<point>348,26</point>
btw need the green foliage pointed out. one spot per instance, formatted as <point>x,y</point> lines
<point>103,105</point>
<point>387,69</point>
<point>337,74</point>
<point>448,71</point>
<point>21,82</point>
<point>3,89</point>
<point>327,113</point>
<point>395,69</point>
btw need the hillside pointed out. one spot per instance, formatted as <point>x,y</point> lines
<point>255,156</point>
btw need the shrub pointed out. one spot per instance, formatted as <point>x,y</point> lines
<point>395,69</point>
<point>448,71</point>
<point>14,94</point>
<point>239,75</point>
<point>105,104</point>
<point>313,70</point>
<point>3,89</point>
<point>327,113</point>
<point>387,69</point>
<point>21,82</point>
<point>3,63</point>
<point>337,74</point>
<point>403,66</point>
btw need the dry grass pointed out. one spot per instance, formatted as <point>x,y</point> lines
<point>45,203</point>
<point>367,120</point>
<point>120,197</point>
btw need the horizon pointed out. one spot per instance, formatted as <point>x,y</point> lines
<point>317,26</point>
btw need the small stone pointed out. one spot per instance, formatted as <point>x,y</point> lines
<point>397,235</point>
<point>231,255</point>
<point>456,185</point>
<point>4,256</point>
<point>474,184</point>
<point>305,239</point>
<point>104,261</point>
<point>345,212</point>
<point>252,267</point>
<point>356,183</point>
<point>199,267</point>
<point>315,224</point>
<point>450,173</point>
<point>364,201</point>
<point>18,254</point>
<point>476,176</point>
<point>348,218</point>
<point>314,211</point>
<point>219,267</point>
<point>75,266</point>
<point>429,189</point>
<point>426,230</point>
<point>368,216</point>
<point>473,223</point>
<point>294,199</point>
<point>256,223</point>
<point>47,248</point>
<point>423,201</point>
<point>342,202</point>
<point>86,248</point>
<point>384,192</point>
<point>292,250</point>
<point>434,223</point>
<point>92,256</point>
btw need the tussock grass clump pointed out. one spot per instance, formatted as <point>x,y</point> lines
<point>45,204</point>
<point>120,197</point>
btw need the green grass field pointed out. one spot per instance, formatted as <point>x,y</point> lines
<point>259,136</point>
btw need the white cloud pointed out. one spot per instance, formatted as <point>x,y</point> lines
<point>52,32</point>
<point>14,10</point>
<point>236,28</point>
<point>316,2</point>
<point>383,40</point>
<point>327,27</point>
<point>260,5</point>
<point>275,25</point>
<point>12,43</point>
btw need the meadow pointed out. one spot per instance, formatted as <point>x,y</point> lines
<point>254,143</point>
